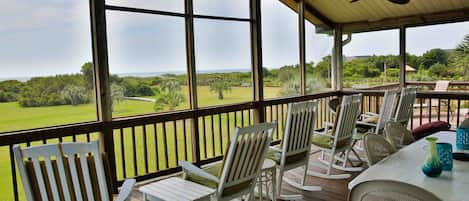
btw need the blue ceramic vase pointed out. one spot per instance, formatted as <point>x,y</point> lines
<point>432,166</point>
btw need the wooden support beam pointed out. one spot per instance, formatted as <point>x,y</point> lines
<point>311,14</point>
<point>102,83</point>
<point>192,78</point>
<point>256,59</point>
<point>337,60</point>
<point>402,56</point>
<point>302,50</point>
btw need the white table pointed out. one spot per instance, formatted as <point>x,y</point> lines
<point>175,189</point>
<point>405,166</point>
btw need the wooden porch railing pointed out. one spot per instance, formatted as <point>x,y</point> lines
<point>150,146</point>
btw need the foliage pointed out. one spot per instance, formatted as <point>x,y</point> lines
<point>433,56</point>
<point>75,95</point>
<point>440,70</point>
<point>168,96</point>
<point>117,95</point>
<point>219,86</point>
<point>10,90</point>
<point>88,73</point>
<point>360,68</point>
<point>46,91</point>
<point>461,57</point>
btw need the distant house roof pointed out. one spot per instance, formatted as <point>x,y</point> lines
<point>409,68</point>
<point>367,15</point>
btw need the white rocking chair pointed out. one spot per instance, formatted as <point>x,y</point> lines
<point>338,140</point>
<point>296,146</point>
<point>241,166</point>
<point>385,113</point>
<point>405,106</point>
<point>63,179</point>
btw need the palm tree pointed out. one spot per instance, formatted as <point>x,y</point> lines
<point>169,96</point>
<point>462,55</point>
<point>219,86</point>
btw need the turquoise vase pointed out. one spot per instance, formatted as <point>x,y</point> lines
<point>432,166</point>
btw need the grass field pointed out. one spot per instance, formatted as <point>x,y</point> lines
<point>15,117</point>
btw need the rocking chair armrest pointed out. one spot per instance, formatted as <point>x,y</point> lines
<point>323,134</point>
<point>126,190</point>
<point>189,167</point>
<point>275,149</point>
<point>366,123</point>
<point>371,114</point>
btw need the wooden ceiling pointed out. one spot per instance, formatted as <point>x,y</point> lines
<point>367,15</point>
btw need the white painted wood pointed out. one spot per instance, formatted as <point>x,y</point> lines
<point>176,189</point>
<point>342,133</point>
<point>57,152</point>
<point>242,162</point>
<point>405,166</point>
<point>297,139</point>
<point>405,106</point>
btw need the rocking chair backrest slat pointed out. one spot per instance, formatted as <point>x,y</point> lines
<point>81,150</point>
<point>45,153</point>
<point>66,171</point>
<point>299,126</point>
<point>386,110</point>
<point>406,104</point>
<point>346,120</point>
<point>245,155</point>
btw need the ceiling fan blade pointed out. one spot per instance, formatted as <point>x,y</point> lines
<point>353,1</point>
<point>400,1</point>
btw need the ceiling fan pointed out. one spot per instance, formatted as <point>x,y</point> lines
<point>392,1</point>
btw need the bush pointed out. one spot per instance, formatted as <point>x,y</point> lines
<point>10,90</point>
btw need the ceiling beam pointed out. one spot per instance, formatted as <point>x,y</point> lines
<point>459,15</point>
<point>311,14</point>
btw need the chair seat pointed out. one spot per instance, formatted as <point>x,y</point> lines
<point>274,155</point>
<point>212,169</point>
<point>322,141</point>
<point>358,136</point>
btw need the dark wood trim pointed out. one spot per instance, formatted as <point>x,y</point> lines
<point>301,41</point>
<point>141,10</point>
<point>287,100</point>
<point>256,58</point>
<point>402,56</point>
<point>327,22</point>
<point>211,17</point>
<point>24,136</point>
<point>433,83</point>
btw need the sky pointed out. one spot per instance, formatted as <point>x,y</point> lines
<point>48,37</point>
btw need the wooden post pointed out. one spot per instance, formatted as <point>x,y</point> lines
<point>102,83</point>
<point>402,56</point>
<point>256,59</point>
<point>337,60</point>
<point>192,78</point>
<point>301,33</point>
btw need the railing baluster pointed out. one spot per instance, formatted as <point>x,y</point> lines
<point>176,144</point>
<point>204,137</point>
<point>458,113</point>
<point>212,135</point>
<point>421,112</point>
<point>242,118</point>
<point>249,116</point>
<point>74,138</point>
<point>123,152</point>
<point>220,134</point>
<point>155,130</point>
<point>277,116</point>
<point>185,139</point>
<point>88,137</point>
<point>448,111</point>
<point>439,108</point>
<point>165,142</point>
<point>228,126</point>
<point>145,147</point>
<point>430,110</point>
<point>235,119</point>
<point>134,151</point>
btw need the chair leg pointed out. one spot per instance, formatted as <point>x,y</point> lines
<point>331,162</point>
<point>303,181</point>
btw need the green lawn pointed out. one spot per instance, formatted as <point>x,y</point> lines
<point>15,117</point>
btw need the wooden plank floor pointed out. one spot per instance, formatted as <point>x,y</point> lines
<point>332,190</point>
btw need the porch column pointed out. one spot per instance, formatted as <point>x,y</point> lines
<point>256,60</point>
<point>301,32</point>
<point>402,56</point>
<point>191,78</point>
<point>337,60</point>
<point>102,83</point>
